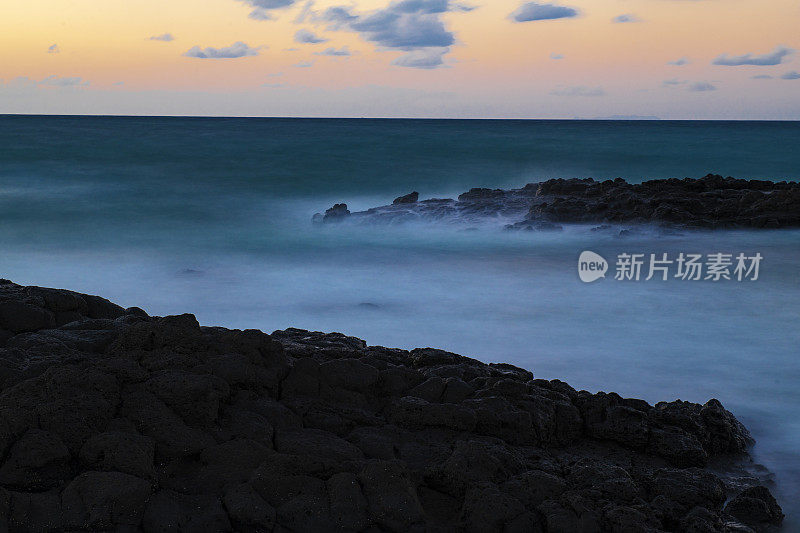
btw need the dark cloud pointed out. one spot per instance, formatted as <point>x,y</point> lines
<point>793,75</point>
<point>308,37</point>
<point>579,90</point>
<point>331,51</point>
<point>261,8</point>
<point>701,87</point>
<point>533,11</point>
<point>412,26</point>
<point>679,62</point>
<point>622,19</point>
<point>237,49</point>
<point>775,57</point>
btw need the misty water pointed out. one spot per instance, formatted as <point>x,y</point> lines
<point>213,217</point>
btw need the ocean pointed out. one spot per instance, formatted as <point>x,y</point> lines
<point>213,217</point>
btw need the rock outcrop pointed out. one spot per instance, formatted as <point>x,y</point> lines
<point>114,420</point>
<point>709,202</point>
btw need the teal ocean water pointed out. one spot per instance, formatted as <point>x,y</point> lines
<point>213,216</point>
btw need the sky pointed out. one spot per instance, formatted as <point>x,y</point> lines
<point>671,59</point>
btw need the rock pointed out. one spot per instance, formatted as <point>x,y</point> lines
<point>337,213</point>
<point>125,452</point>
<point>708,202</point>
<point>104,500</point>
<point>410,198</point>
<point>756,507</point>
<point>38,460</point>
<point>121,421</point>
<point>16,316</point>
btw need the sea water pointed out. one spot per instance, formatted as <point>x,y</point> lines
<point>213,217</point>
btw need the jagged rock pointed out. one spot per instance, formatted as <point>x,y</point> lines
<point>410,198</point>
<point>756,507</point>
<point>708,202</point>
<point>122,421</point>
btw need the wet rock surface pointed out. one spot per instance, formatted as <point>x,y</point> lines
<point>114,420</point>
<point>709,202</point>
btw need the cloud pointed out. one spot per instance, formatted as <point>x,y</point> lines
<point>673,82</point>
<point>772,58</point>
<point>57,81</point>
<point>556,56</point>
<point>308,37</point>
<point>679,62</point>
<point>424,59</point>
<point>53,49</point>
<point>412,26</point>
<point>533,11</point>
<point>621,19</point>
<point>237,49</point>
<point>166,37</point>
<point>762,77</point>
<point>260,14</point>
<point>578,91</point>
<point>701,87</point>
<point>331,51</point>
<point>304,64</point>
<point>793,75</point>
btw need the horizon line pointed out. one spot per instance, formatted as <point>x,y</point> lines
<point>620,118</point>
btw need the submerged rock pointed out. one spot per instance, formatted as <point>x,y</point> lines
<point>117,420</point>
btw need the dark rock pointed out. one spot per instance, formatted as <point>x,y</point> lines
<point>410,198</point>
<point>104,500</point>
<point>756,507</point>
<point>121,421</point>
<point>336,213</point>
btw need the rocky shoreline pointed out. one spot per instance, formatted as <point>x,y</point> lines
<point>709,202</point>
<point>115,420</point>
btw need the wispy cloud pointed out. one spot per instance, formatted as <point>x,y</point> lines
<point>556,56</point>
<point>701,87</point>
<point>622,19</point>
<point>58,81</point>
<point>762,77</point>
<point>308,37</point>
<point>53,49</point>
<point>775,57</point>
<point>679,62</point>
<point>673,82</point>
<point>579,90</point>
<point>428,58</point>
<point>331,51</point>
<point>165,37</point>
<point>236,50</point>
<point>532,11</point>
<point>304,64</point>
<point>793,75</point>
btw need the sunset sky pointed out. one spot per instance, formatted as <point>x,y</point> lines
<point>705,59</point>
